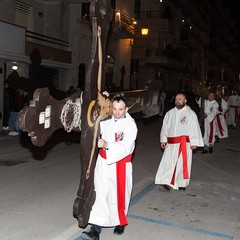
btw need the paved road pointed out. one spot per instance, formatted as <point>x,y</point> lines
<point>39,185</point>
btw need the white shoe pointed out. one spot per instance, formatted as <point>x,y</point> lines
<point>13,134</point>
<point>6,128</point>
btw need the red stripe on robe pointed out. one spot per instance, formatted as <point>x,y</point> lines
<point>121,185</point>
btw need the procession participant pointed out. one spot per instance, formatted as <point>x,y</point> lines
<point>180,134</point>
<point>234,104</point>
<point>113,171</point>
<point>210,112</point>
<point>6,105</point>
<point>162,99</point>
<point>220,119</point>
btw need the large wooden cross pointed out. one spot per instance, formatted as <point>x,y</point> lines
<point>82,111</point>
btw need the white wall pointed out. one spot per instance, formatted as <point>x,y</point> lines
<point>12,38</point>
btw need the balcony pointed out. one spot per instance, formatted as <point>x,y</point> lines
<point>157,19</point>
<point>171,58</point>
<point>17,43</point>
<point>122,25</point>
<point>51,49</point>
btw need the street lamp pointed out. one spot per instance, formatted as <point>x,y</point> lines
<point>144,31</point>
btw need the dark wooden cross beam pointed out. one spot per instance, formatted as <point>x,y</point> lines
<point>82,111</point>
<point>45,114</point>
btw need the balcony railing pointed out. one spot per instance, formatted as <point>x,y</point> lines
<point>122,22</point>
<point>46,40</point>
<point>163,13</point>
<point>169,52</point>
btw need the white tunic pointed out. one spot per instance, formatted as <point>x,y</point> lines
<point>162,100</point>
<point>176,123</point>
<point>121,136</point>
<point>211,110</point>
<point>220,121</point>
<point>234,104</point>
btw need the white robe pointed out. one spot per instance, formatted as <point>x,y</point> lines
<point>176,122</point>
<point>121,136</point>
<point>234,104</point>
<point>211,109</point>
<point>162,100</point>
<point>220,121</point>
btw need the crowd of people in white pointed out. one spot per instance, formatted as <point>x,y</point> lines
<point>221,113</point>
<point>181,134</point>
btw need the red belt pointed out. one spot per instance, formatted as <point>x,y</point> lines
<point>121,185</point>
<point>102,153</point>
<point>182,149</point>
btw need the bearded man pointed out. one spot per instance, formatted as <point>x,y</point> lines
<point>180,134</point>
<point>210,112</point>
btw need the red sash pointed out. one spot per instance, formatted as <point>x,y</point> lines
<point>121,185</point>
<point>219,124</point>
<point>236,112</point>
<point>210,139</point>
<point>182,149</point>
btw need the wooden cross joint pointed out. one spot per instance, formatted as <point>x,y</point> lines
<point>43,115</point>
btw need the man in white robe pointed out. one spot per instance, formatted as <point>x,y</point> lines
<point>210,112</point>
<point>113,172</point>
<point>180,134</point>
<point>162,99</point>
<point>234,104</point>
<point>220,119</point>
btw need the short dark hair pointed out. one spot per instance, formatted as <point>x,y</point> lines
<point>118,98</point>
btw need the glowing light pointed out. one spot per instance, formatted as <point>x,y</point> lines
<point>144,31</point>
<point>14,67</point>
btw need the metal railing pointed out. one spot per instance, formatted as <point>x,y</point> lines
<point>122,21</point>
<point>169,52</point>
<point>154,14</point>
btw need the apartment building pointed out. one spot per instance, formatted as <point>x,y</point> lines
<point>48,43</point>
<point>187,42</point>
<point>35,45</point>
<point>118,47</point>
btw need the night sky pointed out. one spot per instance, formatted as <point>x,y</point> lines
<point>233,7</point>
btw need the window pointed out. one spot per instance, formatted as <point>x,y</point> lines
<point>86,11</point>
<point>137,9</point>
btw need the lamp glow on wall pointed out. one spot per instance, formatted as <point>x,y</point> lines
<point>144,31</point>
<point>14,67</point>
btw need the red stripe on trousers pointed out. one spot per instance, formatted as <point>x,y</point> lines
<point>182,149</point>
<point>121,185</point>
